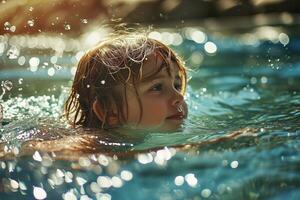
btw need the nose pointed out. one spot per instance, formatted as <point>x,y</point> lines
<point>177,98</point>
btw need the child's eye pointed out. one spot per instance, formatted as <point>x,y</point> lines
<point>156,87</point>
<point>178,86</point>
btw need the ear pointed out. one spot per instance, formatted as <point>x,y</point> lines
<point>102,114</point>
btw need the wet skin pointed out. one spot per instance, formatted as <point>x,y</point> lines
<point>163,104</point>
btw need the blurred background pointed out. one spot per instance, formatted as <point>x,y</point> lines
<point>74,16</point>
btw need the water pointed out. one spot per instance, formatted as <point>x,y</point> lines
<point>237,81</point>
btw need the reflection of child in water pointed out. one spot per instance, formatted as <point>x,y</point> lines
<point>129,81</point>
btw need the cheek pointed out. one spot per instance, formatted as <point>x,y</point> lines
<point>154,107</point>
<point>133,109</point>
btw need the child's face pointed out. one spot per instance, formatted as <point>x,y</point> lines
<point>164,108</point>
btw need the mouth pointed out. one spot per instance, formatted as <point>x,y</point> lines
<point>176,116</point>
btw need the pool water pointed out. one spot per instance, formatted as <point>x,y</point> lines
<point>237,81</point>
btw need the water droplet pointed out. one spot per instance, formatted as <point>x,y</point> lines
<point>284,39</point>
<point>84,21</point>
<point>39,193</point>
<point>12,28</point>
<point>16,150</point>
<point>80,180</point>
<point>30,22</point>
<point>67,27</point>
<point>51,71</point>
<point>22,186</point>
<point>20,81</point>
<point>179,180</point>
<point>126,175</point>
<point>225,163</point>
<point>84,162</point>
<point>200,38</point>
<point>88,86</point>
<point>21,60</point>
<point>7,26</point>
<point>57,67</point>
<point>7,85</point>
<point>68,177</point>
<point>14,184</point>
<point>34,63</point>
<point>59,173</point>
<point>210,47</point>
<point>95,187</point>
<point>234,164</point>
<point>103,82</point>
<point>13,52</point>
<point>253,80</point>
<point>69,196</point>
<point>264,80</point>
<point>145,158</point>
<point>191,179</point>
<point>53,59</point>
<point>104,181</point>
<point>116,182</point>
<point>37,156</point>
<point>205,193</point>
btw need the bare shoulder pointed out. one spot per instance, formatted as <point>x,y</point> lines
<point>66,145</point>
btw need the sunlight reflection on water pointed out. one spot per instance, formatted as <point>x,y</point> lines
<point>228,91</point>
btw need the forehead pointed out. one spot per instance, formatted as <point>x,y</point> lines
<point>154,64</point>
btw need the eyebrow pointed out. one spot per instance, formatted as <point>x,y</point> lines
<point>153,78</point>
<point>156,77</point>
<point>158,74</point>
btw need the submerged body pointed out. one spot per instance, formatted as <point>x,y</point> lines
<point>81,143</point>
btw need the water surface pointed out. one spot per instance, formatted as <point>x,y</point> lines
<point>239,83</point>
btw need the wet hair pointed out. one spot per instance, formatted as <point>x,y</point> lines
<point>104,71</point>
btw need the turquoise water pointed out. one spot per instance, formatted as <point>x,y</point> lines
<point>248,81</point>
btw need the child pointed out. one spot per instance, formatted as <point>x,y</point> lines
<point>127,85</point>
<point>129,82</point>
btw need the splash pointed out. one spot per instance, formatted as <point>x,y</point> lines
<point>1,114</point>
<point>5,86</point>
